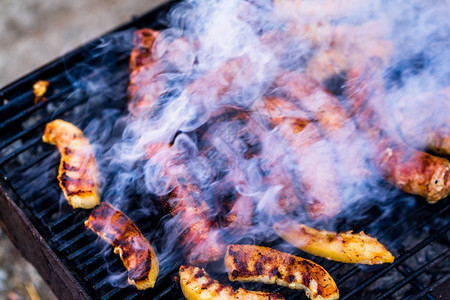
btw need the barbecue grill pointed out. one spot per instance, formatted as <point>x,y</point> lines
<point>51,235</point>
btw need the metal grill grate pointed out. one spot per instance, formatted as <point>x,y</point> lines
<point>418,235</point>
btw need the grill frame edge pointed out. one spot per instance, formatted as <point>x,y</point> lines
<point>34,248</point>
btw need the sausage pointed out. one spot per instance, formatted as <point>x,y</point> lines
<point>423,120</point>
<point>412,171</point>
<point>313,164</point>
<point>333,120</point>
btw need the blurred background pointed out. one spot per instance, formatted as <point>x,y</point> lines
<point>32,33</point>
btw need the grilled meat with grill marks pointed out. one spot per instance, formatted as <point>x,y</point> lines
<point>412,171</point>
<point>228,141</point>
<point>346,247</point>
<point>323,9</point>
<point>311,155</point>
<point>198,234</point>
<point>333,120</point>
<point>235,210</point>
<point>141,54</point>
<point>78,176</point>
<point>145,85</point>
<point>196,284</point>
<point>424,120</point>
<point>151,58</point>
<point>137,254</point>
<point>248,263</point>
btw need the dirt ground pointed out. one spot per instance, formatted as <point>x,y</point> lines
<point>32,33</point>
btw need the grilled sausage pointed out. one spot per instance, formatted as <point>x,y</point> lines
<point>333,120</point>
<point>336,60</point>
<point>196,284</point>
<point>134,249</point>
<point>235,210</point>
<point>198,234</point>
<point>250,263</point>
<point>324,9</point>
<point>141,54</point>
<point>315,173</point>
<point>78,175</point>
<point>347,247</point>
<point>423,120</point>
<point>184,200</point>
<point>145,86</point>
<point>236,82</point>
<point>412,171</point>
<point>228,141</point>
<point>152,57</point>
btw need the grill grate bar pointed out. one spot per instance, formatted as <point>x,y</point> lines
<point>131,297</point>
<point>421,224</point>
<point>28,111</point>
<point>27,166</point>
<point>406,273</point>
<point>40,123</point>
<point>48,210</point>
<point>414,275</point>
<point>100,285</point>
<point>113,293</point>
<point>62,219</point>
<point>22,187</point>
<point>44,121</point>
<point>335,267</point>
<point>95,273</point>
<point>399,260</point>
<point>431,287</point>
<point>115,267</point>
<point>86,250</point>
<point>165,292</point>
<point>413,215</point>
<point>25,99</point>
<point>347,275</point>
<point>70,242</point>
<point>82,266</point>
<point>19,150</point>
<point>20,101</point>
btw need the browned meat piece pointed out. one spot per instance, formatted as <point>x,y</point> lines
<point>141,54</point>
<point>145,87</point>
<point>333,120</point>
<point>151,57</point>
<point>248,263</point>
<point>196,284</point>
<point>313,161</point>
<point>78,175</point>
<point>235,210</point>
<point>339,58</point>
<point>232,83</point>
<point>323,9</point>
<point>239,216</point>
<point>198,234</point>
<point>412,171</point>
<point>138,256</point>
<point>424,120</point>
<point>227,142</point>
